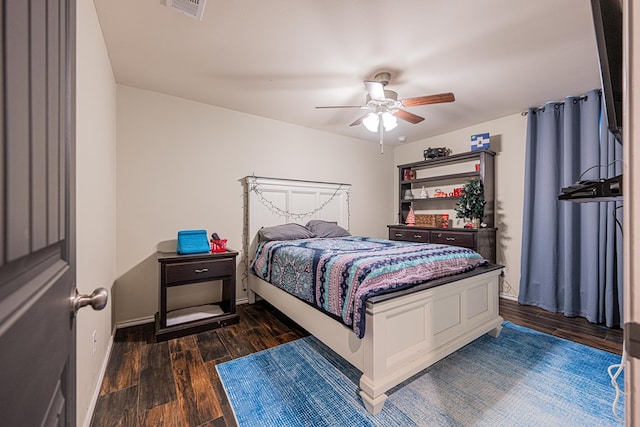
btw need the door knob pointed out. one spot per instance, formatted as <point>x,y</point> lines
<point>97,300</point>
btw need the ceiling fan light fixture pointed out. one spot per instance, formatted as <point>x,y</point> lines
<point>389,121</point>
<point>371,122</point>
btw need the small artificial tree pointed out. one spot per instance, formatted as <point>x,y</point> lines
<point>471,204</point>
<point>411,218</point>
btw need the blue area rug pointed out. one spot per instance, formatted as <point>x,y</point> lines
<point>522,378</point>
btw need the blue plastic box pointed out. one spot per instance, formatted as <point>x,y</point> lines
<point>193,242</point>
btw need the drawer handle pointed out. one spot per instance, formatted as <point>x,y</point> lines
<point>450,239</point>
<point>398,234</point>
<point>417,236</point>
<point>202,270</point>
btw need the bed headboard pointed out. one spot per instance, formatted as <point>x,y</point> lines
<point>272,201</point>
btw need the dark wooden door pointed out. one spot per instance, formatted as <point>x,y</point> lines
<point>37,216</point>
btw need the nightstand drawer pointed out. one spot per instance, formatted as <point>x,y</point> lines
<point>464,239</point>
<point>421,236</point>
<point>198,270</point>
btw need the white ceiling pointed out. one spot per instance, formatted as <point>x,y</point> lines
<point>281,58</point>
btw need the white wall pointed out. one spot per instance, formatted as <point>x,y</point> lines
<point>180,165</point>
<point>508,137</point>
<point>95,199</point>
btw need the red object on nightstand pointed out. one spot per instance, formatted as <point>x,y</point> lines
<point>219,245</point>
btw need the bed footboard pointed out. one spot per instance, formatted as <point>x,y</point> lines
<point>407,334</point>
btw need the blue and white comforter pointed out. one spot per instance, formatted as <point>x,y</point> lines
<point>338,275</point>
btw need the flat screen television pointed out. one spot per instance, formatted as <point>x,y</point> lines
<point>607,20</point>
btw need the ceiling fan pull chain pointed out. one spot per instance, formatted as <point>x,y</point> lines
<point>381,134</point>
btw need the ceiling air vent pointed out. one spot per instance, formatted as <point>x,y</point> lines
<point>192,8</point>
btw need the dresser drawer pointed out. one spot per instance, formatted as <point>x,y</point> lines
<point>198,270</point>
<point>454,238</point>
<point>421,236</point>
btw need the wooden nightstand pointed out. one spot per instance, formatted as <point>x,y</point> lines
<point>180,270</point>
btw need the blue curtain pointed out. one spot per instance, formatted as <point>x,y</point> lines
<point>571,252</point>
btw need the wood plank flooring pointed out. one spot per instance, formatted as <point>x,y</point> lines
<point>175,383</point>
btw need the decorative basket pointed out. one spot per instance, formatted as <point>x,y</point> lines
<point>431,220</point>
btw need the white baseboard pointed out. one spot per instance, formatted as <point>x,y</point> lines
<point>135,322</point>
<point>509,297</point>
<point>96,392</point>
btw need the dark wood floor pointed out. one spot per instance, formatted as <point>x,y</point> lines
<point>175,383</point>
<point>576,329</point>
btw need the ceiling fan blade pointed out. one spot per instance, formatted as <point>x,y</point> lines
<point>375,89</point>
<point>430,99</point>
<point>342,106</point>
<point>407,116</point>
<point>357,122</point>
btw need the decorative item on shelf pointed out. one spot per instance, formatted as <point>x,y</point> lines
<point>423,193</point>
<point>480,141</point>
<point>408,194</point>
<point>477,167</point>
<point>409,174</point>
<point>457,192</point>
<point>411,218</point>
<point>425,220</point>
<point>432,153</point>
<point>471,204</point>
<point>439,193</point>
<point>431,220</point>
<point>444,221</point>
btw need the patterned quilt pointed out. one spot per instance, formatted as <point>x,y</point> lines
<point>338,275</point>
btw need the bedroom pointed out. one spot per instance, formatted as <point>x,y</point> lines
<point>151,163</point>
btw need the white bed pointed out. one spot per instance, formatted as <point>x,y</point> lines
<point>406,331</point>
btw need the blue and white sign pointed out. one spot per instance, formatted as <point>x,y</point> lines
<point>480,142</point>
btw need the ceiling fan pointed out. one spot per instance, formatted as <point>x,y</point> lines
<point>384,106</point>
